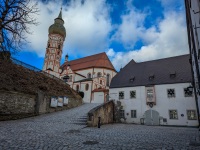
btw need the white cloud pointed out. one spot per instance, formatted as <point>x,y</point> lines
<point>38,38</point>
<point>110,52</point>
<point>131,28</point>
<point>169,40</point>
<point>87,25</point>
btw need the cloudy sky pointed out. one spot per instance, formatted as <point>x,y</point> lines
<point>125,29</point>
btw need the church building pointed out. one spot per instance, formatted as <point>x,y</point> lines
<point>157,92</point>
<point>91,75</point>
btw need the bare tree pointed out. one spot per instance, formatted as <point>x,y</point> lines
<point>16,16</point>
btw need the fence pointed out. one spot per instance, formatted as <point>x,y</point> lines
<point>18,62</point>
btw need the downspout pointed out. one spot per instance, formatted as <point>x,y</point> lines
<point>91,91</point>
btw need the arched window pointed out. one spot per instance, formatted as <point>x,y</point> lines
<point>59,46</point>
<point>100,81</point>
<point>99,74</point>
<point>77,88</point>
<point>89,75</point>
<point>86,87</point>
<point>107,80</point>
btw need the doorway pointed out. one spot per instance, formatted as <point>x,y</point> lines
<point>151,117</point>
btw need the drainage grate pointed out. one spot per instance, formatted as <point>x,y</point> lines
<point>90,142</point>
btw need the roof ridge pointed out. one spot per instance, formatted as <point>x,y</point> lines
<point>87,56</point>
<point>163,58</point>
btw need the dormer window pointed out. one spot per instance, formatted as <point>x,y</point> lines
<point>172,74</point>
<point>151,77</point>
<point>132,79</point>
<point>89,75</point>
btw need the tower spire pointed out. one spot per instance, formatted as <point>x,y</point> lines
<point>60,14</point>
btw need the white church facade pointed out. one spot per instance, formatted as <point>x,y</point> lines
<point>157,92</point>
<point>90,75</point>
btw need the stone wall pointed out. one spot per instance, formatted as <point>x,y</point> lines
<point>104,111</point>
<point>15,105</point>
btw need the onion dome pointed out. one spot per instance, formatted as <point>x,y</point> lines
<point>57,27</point>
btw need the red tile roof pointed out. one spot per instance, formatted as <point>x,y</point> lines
<point>100,60</point>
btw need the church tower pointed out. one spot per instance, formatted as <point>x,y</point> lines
<point>57,34</point>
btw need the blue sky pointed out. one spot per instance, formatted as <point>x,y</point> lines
<point>125,29</point>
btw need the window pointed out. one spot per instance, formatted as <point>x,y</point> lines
<point>151,77</point>
<point>89,75</point>
<point>100,81</point>
<point>150,93</point>
<point>107,80</point>
<point>121,95</point>
<point>70,78</point>
<point>173,114</point>
<point>121,113</point>
<point>133,114</point>
<point>171,93</point>
<point>172,74</point>
<point>99,74</point>
<point>191,114</point>
<point>86,87</point>
<point>77,88</point>
<point>187,92</point>
<point>132,94</point>
<point>164,119</point>
<point>132,79</point>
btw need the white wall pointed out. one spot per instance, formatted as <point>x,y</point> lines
<point>163,103</point>
<point>87,94</point>
<point>98,97</point>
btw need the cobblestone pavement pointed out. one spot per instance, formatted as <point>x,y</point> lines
<point>66,130</point>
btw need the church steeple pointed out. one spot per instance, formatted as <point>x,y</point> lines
<point>60,14</point>
<point>57,34</point>
<point>58,27</point>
